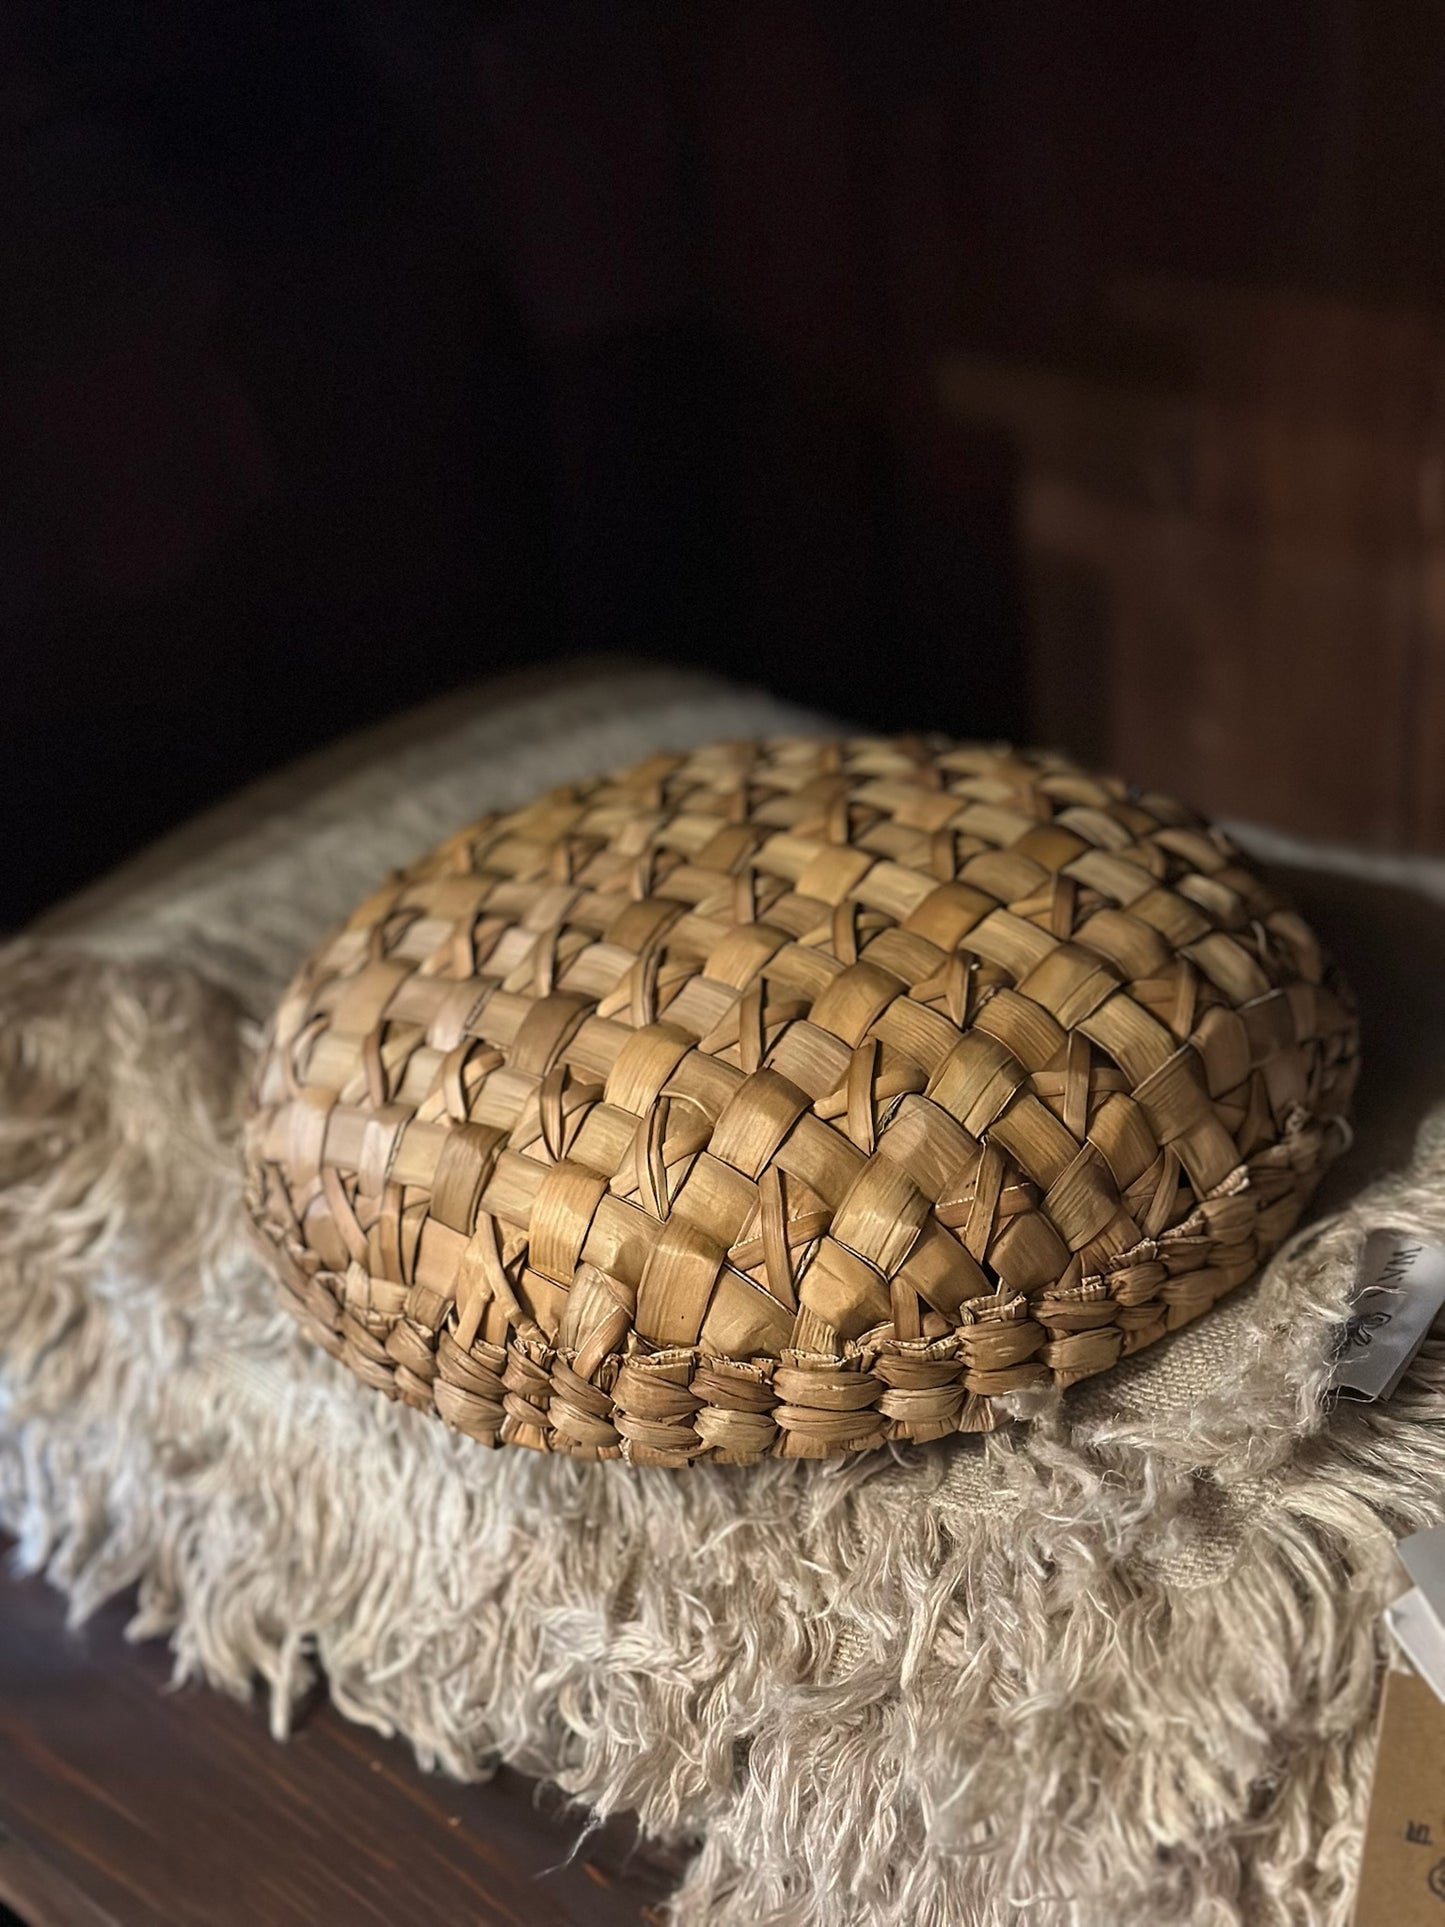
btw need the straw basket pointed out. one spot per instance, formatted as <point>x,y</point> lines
<point>789,1098</point>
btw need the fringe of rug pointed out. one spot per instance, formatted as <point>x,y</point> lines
<point>1109,1670</point>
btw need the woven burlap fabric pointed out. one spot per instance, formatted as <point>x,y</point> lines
<point>1114,1665</point>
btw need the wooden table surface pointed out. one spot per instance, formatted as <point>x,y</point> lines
<point>123,1802</point>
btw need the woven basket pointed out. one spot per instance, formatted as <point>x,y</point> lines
<point>791,1098</point>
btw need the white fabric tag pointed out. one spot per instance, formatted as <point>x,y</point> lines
<point>1399,1288</point>
<point>1423,1557</point>
<point>1420,1637</point>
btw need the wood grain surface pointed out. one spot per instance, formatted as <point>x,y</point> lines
<point>125,1803</point>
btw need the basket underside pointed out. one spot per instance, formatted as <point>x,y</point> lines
<point>790,1098</point>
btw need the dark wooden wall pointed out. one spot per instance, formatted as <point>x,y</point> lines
<point>1227,421</point>
<point>1040,368</point>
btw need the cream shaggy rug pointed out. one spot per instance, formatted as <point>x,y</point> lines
<point>1115,1666</point>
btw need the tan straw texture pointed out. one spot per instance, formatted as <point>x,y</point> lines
<point>790,1098</point>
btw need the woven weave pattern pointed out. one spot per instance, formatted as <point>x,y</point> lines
<point>789,1098</point>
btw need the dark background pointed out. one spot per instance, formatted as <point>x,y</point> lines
<point>1066,370</point>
